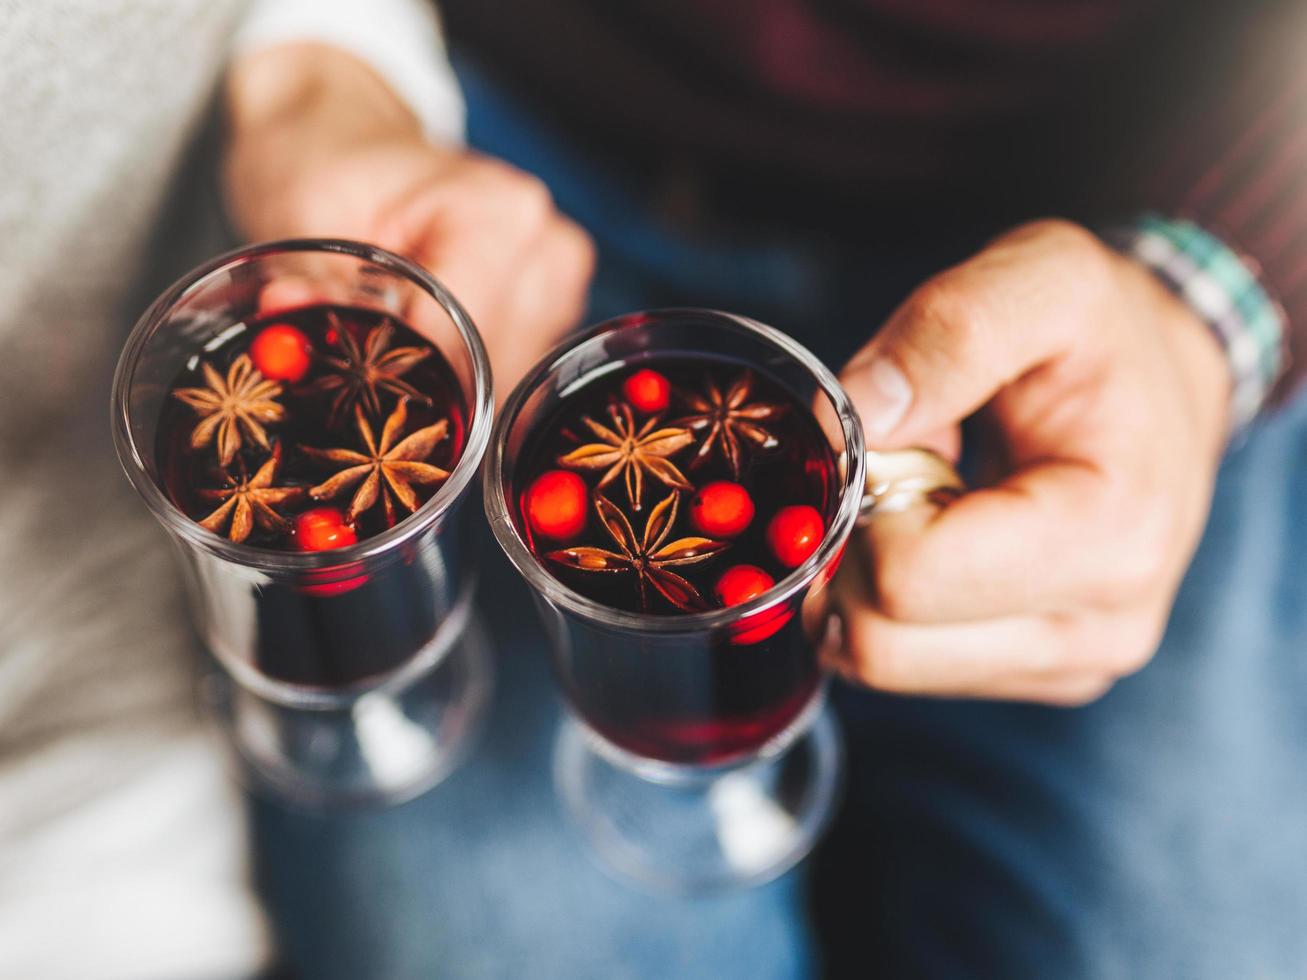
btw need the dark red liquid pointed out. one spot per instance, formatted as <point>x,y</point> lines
<point>694,698</point>
<point>184,471</point>
<point>338,626</point>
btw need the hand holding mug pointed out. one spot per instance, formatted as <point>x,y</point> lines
<point>1109,400</point>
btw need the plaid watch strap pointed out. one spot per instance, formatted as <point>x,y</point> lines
<point>1223,290</point>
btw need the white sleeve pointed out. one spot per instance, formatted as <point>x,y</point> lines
<point>400,40</point>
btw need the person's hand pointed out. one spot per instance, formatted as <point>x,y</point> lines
<point>1109,401</point>
<point>318,146</point>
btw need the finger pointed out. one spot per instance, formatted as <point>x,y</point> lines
<point>480,280</point>
<point>980,660</point>
<point>951,660</point>
<point>1009,657</point>
<point>1062,691</point>
<point>546,299</point>
<point>474,273</point>
<point>539,297</point>
<point>475,250</point>
<point>966,334</point>
<point>1011,548</point>
<point>1074,691</point>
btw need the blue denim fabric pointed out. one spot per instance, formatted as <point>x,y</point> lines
<point>1161,832</point>
<point>483,876</point>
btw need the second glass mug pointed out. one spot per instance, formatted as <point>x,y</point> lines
<point>699,753</point>
<point>353,675</point>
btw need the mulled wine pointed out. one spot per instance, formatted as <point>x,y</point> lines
<point>312,430</point>
<point>669,487</point>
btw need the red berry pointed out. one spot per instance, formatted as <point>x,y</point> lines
<point>740,583</point>
<point>322,529</point>
<point>329,582</point>
<point>282,352</point>
<point>557,504</point>
<point>794,533</point>
<point>721,509</point>
<point>647,391</point>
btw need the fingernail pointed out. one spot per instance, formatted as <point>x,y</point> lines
<point>884,397</point>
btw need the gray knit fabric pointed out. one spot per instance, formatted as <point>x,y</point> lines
<point>121,851</point>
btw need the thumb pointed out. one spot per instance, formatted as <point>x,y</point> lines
<point>953,344</point>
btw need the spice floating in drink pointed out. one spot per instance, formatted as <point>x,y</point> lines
<point>663,508</point>
<point>683,468</point>
<point>323,405</point>
<point>309,432</point>
<point>679,467</point>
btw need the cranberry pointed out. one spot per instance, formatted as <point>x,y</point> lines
<point>322,529</point>
<point>282,352</point>
<point>721,509</point>
<point>794,533</point>
<point>740,584</point>
<point>647,391</point>
<point>557,503</point>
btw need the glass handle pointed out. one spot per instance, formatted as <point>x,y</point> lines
<point>905,478</point>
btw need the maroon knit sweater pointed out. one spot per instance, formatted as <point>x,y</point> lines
<point>867,117</point>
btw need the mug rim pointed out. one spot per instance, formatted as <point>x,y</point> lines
<point>558,594</point>
<point>132,458</point>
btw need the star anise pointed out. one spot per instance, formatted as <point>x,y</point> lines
<point>624,450</point>
<point>648,557</point>
<point>366,370</point>
<point>250,500</point>
<point>243,401</point>
<point>728,420</point>
<point>388,470</point>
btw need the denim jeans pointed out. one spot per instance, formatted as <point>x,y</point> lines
<point>1160,832</point>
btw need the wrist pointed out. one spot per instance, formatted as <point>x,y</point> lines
<point>1202,364</point>
<point>284,84</point>
<point>1182,353</point>
<point>292,111</point>
<point>1223,292</point>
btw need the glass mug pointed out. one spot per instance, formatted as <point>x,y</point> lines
<point>351,675</point>
<point>698,753</point>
